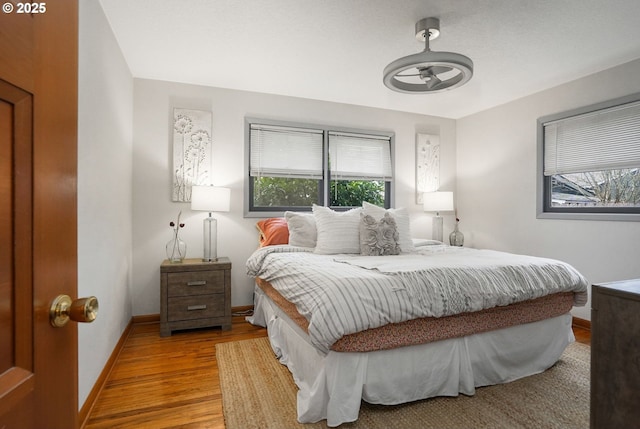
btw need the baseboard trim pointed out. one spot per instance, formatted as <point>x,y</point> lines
<point>147,318</point>
<point>242,311</point>
<point>85,411</point>
<point>581,323</point>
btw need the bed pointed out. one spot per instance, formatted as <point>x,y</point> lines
<point>429,320</point>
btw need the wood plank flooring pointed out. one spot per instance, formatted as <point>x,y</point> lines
<point>173,382</point>
<point>167,382</point>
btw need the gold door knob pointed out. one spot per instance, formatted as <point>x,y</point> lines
<point>80,310</point>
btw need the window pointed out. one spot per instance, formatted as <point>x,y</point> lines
<point>293,166</point>
<point>589,162</point>
<point>285,167</point>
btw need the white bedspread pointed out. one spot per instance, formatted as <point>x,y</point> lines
<point>344,294</point>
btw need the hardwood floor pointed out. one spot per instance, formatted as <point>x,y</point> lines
<point>582,335</point>
<point>173,382</point>
<point>167,382</point>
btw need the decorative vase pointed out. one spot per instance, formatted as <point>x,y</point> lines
<point>456,238</point>
<point>176,250</point>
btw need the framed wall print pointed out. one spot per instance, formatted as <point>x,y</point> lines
<point>191,152</point>
<point>427,164</point>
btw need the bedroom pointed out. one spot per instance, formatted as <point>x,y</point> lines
<point>124,153</point>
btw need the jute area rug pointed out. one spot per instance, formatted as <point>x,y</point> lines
<point>259,392</point>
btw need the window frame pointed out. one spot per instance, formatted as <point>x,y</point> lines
<point>544,210</point>
<point>324,183</point>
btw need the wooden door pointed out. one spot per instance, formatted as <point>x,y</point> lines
<point>38,251</point>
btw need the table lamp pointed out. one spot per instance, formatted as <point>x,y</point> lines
<point>210,199</point>
<point>437,202</point>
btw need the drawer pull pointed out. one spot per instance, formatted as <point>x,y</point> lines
<point>197,307</point>
<point>197,283</point>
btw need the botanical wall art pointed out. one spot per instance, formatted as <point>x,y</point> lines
<point>191,151</point>
<point>427,164</point>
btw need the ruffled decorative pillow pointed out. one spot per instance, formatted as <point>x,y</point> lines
<point>378,237</point>
<point>401,216</point>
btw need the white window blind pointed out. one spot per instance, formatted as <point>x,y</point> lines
<point>359,157</point>
<point>606,139</point>
<point>285,152</point>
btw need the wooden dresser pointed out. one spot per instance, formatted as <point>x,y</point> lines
<point>615,355</point>
<point>195,294</point>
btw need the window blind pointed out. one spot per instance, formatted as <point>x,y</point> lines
<point>285,152</point>
<point>359,157</point>
<point>606,139</point>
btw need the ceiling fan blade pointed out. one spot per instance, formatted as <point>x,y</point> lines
<point>433,82</point>
<point>427,72</point>
<point>434,70</point>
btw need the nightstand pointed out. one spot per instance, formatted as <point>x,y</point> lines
<point>195,294</point>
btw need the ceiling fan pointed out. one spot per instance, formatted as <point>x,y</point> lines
<point>428,71</point>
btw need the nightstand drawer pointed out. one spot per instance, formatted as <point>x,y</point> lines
<point>196,307</point>
<point>196,283</point>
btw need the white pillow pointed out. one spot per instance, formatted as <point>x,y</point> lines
<point>419,242</point>
<point>338,232</point>
<point>302,229</point>
<point>401,215</point>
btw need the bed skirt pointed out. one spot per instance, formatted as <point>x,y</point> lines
<point>332,387</point>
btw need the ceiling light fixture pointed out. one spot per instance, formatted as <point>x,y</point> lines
<point>428,71</point>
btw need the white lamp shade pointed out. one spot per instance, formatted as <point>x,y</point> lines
<point>210,198</point>
<point>438,201</point>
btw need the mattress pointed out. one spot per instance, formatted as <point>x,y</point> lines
<point>429,329</point>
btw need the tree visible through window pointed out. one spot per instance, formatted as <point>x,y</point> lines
<point>283,192</point>
<point>609,188</point>
<point>351,193</point>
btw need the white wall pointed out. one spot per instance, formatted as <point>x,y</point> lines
<point>105,132</point>
<point>496,184</point>
<point>153,209</point>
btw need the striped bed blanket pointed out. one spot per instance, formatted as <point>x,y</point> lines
<point>344,294</point>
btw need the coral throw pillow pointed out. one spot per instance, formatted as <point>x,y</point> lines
<point>273,231</point>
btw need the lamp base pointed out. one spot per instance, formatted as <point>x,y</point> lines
<point>436,228</point>
<point>210,239</point>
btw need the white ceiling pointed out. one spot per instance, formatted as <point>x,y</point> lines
<point>335,50</point>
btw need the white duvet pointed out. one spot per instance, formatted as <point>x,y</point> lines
<point>344,294</point>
